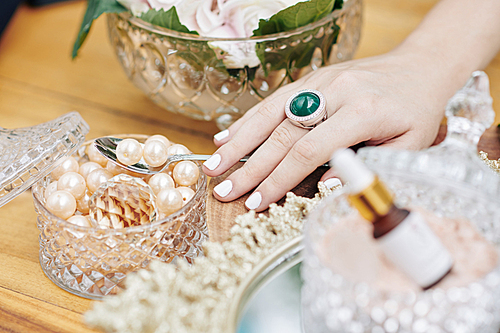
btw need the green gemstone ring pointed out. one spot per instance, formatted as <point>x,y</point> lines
<point>306,108</point>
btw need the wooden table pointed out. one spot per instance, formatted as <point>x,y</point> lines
<point>38,82</point>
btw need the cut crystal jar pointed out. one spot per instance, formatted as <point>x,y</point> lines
<point>86,261</point>
<point>449,180</point>
<point>220,79</point>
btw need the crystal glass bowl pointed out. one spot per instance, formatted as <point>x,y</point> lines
<point>220,79</point>
<point>93,262</point>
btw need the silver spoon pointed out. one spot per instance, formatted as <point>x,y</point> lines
<point>107,147</point>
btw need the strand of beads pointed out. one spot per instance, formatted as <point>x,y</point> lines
<point>68,195</point>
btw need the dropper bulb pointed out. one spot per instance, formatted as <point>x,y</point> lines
<point>352,170</point>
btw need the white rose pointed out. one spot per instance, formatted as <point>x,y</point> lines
<point>137,7</point>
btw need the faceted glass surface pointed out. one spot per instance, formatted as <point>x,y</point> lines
<point>185,75</point>
<point>94,262</point>
<point>304,104</point>
<point>30,153</point>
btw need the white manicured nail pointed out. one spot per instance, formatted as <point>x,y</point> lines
<point>254,200</point>
<point>213,162</point>
<point>221,135</point>
<point>332,182</point>
<point>223,188</point>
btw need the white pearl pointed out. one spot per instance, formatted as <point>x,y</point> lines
<point>169,200</point>
<point>95,156</point>
<point>87,168</point>
<point>61,204</point>
<point>82,204</point>
<point>178,149</point>
<point>68,164</point>
<point>96,178</point>
<point>80,220</point>
<point>51,188</point>
<point>129,151</point>
<point>159,137</point>
<point>155,153</point>
<point>187,194</point>
<point>186,173</point>
<point>74,183</point>
<point>160,181</point>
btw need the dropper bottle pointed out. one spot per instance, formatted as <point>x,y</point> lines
<point>403,235</point>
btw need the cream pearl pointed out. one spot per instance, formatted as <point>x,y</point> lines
<point>159,137</point>
<point>129,151</point>
<point>95,156</point>
<point>68,164</point>
<point>82,204</point>
<point>178,149</point>
<point>186,173</point>
<point>96,178</point>
<point>87,168</point>
<point>51,188</point>
<point>187,194</point>
<point>74,183</point>
<point>62,204</point>
<point>155,153</point>
<point>114,168</point>
<point>169,200</point>
<point>79,220</point>
<point>160,181</point>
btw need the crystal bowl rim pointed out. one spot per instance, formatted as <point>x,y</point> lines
<point>164,32</point>
<point>38,203</point>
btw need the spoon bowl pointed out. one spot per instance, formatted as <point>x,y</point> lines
<point>107,147</point>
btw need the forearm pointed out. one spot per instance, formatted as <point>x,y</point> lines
<point>456,38</point>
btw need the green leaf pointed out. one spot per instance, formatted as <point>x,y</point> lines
<point>94,9</point>
<point>296,16</point>
<point>291,18</point>
<point>166,19</point>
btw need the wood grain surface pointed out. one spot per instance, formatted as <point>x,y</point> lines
<point>39,82</point>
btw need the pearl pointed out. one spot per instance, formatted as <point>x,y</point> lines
<point>74,183</point>
<point>95,156</point>
<point>62,204</point>
<point>79,220</point>
<point>129,151</point>
<point>82,204</point>
<point>97,177</point>
<point>169,200</point>
<point>68,164</point>
<point>159,137</point>
<point>161,181</point>
<point>51,188</point>
<point>178,149</point>
<point>187,194</point>
<point>186,173</point>
<point>114,168</point>
<point>155,153</point>
<point>87,168</point>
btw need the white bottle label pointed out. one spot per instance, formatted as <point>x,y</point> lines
<point>417,251</point>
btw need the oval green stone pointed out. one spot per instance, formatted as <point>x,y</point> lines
<point>304,104</point>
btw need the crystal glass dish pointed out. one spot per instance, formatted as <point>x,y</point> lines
<point>94,262</point>
<point>189,75</point>
<point>448,180</point>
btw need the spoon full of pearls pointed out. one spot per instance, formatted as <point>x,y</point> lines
<point>149,158</point>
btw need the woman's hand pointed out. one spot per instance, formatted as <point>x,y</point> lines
<point>383,100</point>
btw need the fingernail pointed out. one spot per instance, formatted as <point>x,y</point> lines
<point>223,188</point>
<point>221,135</point>
<point>254,200</point>
<point>332,182</point>
<point>213,162</point>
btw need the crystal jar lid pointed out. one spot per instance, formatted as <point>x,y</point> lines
<point>30,153</point>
